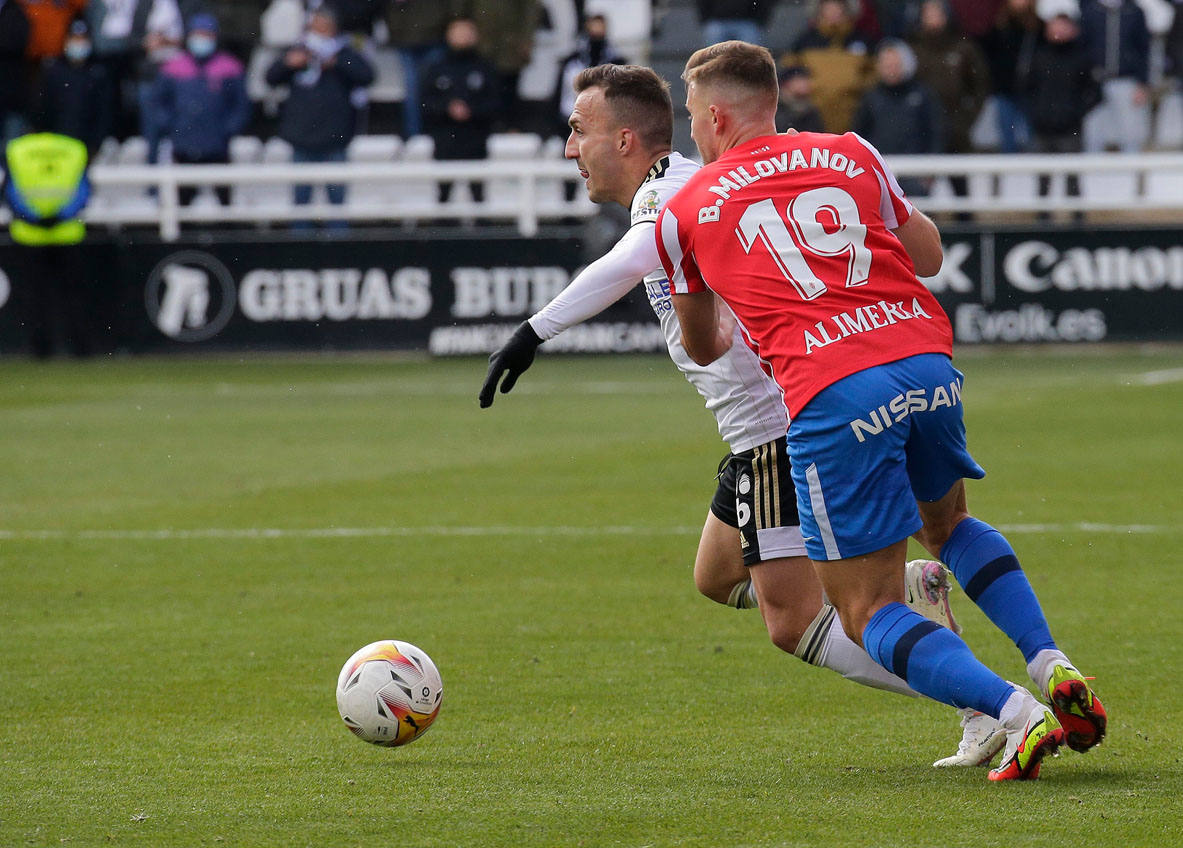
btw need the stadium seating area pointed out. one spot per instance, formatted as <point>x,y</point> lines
<point>524,176</point>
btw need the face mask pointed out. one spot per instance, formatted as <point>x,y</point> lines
<point>201,46</point>
<point>322,45</point>
<point>78,51</point>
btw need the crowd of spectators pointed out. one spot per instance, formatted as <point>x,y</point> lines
<point>911,75</point>
<point>1059,75</point>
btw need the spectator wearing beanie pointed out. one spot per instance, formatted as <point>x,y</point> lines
<point>199,101</point>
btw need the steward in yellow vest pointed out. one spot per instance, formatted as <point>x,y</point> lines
<point>53,293</point>
<point>46,189</point>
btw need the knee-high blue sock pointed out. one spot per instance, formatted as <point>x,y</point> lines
<point>933,660</point>
<point>985,565</point>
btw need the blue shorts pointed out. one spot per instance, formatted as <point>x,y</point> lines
<point>866,448</point>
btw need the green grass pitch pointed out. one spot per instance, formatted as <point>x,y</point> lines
<point>189,549</point>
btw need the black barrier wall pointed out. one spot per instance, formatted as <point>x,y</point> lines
<point>453,294</point>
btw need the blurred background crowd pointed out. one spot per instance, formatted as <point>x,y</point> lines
<point>138,82</point>
<point>912,76</point>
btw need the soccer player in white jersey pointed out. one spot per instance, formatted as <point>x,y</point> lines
<point>621,133</point>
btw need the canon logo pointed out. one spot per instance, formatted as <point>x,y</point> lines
<point>1036,266</point>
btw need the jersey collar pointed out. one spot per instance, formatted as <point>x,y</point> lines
<point>658,170</point>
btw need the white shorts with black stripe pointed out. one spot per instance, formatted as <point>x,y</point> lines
<point>759,482</point>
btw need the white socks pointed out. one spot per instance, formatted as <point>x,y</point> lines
<point>743,596</point>
<point>1014,712</point>
<point>840,654</point>
<point>1040,668</point>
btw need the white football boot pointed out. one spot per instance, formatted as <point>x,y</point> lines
<point>926,590</point>
<point>981,740</point>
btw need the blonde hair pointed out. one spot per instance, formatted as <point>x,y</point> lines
<point>747,68</point>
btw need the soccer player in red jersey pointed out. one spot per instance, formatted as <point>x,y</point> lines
<point>810,242</point>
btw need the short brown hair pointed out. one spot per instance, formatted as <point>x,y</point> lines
<point>639,99</point>
<point>735,63</point>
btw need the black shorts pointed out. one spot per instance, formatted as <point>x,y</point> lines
<point>755,494</point>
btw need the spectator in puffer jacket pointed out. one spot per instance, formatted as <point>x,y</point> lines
<point>900,114</point>
<point>954,68</point>
<point>460,101</point>
<point>200,102</point>
<point>592,48</point>
<point>1009,46</point>
<point>318,118</point>
<point>837,56</point>
<point>75,99</point>
<point>1059,89</point>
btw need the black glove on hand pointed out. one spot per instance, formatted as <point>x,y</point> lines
<point>514,357</point>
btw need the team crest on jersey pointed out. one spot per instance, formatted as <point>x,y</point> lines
<point>647,207</point>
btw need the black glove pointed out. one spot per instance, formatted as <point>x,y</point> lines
<point>513,358</point>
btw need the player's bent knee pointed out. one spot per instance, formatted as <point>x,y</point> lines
<point>786,627</point>
<point>937,530</point>
<point>787,639</point>
<point>710,586</point>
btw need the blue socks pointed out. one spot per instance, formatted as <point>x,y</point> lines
<point>985,565</point>
<point>933,660</point>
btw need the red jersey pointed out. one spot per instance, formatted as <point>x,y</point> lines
<point>794,233</point>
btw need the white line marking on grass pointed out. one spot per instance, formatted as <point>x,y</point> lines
<point>170,534</point>
<point>1090,527</point>
<point>1159,378</point>
<point>180,534</point>
<point>402,388</point>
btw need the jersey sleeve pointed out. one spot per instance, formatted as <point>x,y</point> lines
<point>601,283</point>
<point>677,262</point>
<point>894,207</point>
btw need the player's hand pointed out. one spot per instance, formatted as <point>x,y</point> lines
<point>512,360</point>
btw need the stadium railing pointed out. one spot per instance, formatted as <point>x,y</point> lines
<point>527,193</point>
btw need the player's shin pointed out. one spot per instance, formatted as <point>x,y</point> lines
<point>825,644</point>
<point>933,660</point>
<point>985,565</point>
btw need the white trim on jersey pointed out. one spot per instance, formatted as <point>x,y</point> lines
<point>672,245</point>
<point>886,207</point>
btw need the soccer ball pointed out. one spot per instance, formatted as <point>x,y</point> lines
<point>389,693</point>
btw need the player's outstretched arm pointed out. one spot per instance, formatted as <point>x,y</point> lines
<point>601,283</point>
<point>593,290</point>
<point>922,240</point>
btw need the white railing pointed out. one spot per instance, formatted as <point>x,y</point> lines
<point>1149,182</point>
<point>521,192</point>
<point>526,193</point>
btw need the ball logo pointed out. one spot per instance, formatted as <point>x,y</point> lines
<point>190,296</point>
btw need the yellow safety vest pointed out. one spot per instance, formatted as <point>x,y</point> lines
<point>46,171</point>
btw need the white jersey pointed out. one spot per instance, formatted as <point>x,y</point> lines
<point>746,402</point>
